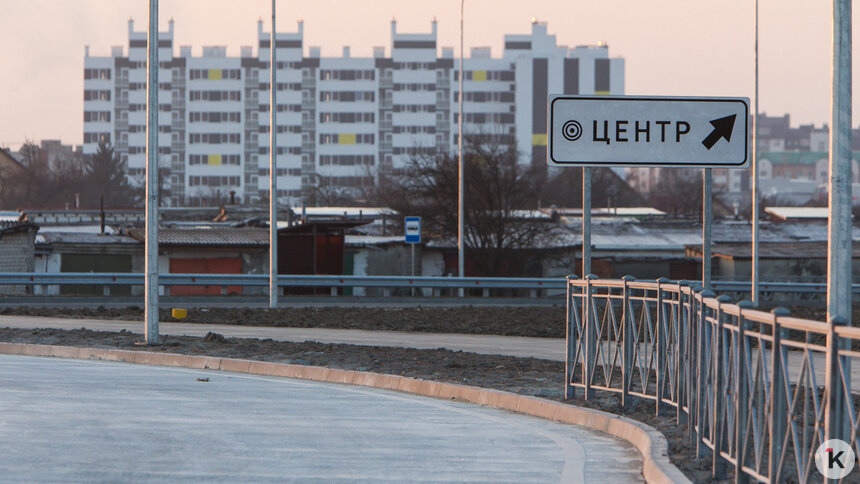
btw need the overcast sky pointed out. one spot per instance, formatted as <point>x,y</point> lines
<point>671,47</point>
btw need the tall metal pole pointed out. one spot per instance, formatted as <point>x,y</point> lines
<point>151,241</point>
<point>273,170</point>
<point>755,187</point>
<point>586,221</point>
<point>461,224</point>
<point>839,255</point>
<point>706,228</point>
<point>839,225</point>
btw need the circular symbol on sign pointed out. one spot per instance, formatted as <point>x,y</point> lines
<point>571,130</point>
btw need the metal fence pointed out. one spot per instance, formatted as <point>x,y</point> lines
<point>758,392</point>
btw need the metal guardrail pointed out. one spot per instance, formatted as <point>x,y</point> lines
<point>284,281</point>
<point>746,384</point>
<point>734,288</point>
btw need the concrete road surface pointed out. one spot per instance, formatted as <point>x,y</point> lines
<point>87,421</point>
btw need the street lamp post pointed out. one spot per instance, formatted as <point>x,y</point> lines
<point>461,264</point>
<point>151,240</point>
<point>273,171</point>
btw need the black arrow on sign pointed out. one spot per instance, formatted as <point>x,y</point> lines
<point>722,129</point>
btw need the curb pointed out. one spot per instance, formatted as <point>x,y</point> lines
<point>656,467</point>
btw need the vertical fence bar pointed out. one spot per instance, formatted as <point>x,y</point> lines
<point>704,354</point>
<point>718,467</point>
<point>741,394</point>
<point>627,340</point>
<point>661,347</point>
<point>777,411</point>
<point>590,341</point>
<point>835,412</point>
<point>570,342</point>
<point>695,429</point>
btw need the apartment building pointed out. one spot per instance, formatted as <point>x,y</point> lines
<point>339,120</point>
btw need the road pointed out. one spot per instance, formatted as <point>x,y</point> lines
<point>88,421</point>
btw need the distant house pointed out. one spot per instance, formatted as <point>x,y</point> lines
<point>17,250</point>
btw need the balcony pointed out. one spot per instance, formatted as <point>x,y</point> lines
<point>177,146</point>
<point>308,104</point>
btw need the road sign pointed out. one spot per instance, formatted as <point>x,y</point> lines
<point>413,230</point>
<point>648,131</point>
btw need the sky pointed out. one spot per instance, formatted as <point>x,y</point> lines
<point>671,47</point>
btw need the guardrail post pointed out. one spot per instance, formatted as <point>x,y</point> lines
<point>684,332</point>
<point>627,340</point>
<point>717,468</point>
<point>836,422</point>
<point>590,338</point>
<point>661,347</point>
<point>778,414</point>
<point>741,393</point>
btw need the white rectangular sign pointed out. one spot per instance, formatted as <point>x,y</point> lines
<point>413,230</point>
<point>648,131</point>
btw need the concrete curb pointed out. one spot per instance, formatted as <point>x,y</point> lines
<point>651,444</point>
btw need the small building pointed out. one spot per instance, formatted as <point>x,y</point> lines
<point>17,250</point>
<point>210,250</point>
<point>778,261</point>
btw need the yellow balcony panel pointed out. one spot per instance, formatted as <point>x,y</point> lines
<point>538,140</point>
<point>346,139</point>
<point>214,74</point>
<point>215,160</point>
<point>479,76</point>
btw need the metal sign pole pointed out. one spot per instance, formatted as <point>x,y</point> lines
<point>273,171</point>
<point>755,188</point>
<point>151,241</point>
<point>586,221</point>
<point>706,228</point>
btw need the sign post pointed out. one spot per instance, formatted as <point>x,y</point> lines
<point>412,227</point>
<point>640,131</point>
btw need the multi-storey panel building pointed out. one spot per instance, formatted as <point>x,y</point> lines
<point>339,120</point>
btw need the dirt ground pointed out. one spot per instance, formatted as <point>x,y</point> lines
<point>538,321</point>
<point>528,376</point>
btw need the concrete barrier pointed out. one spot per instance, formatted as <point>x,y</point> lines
<point>651,444</point>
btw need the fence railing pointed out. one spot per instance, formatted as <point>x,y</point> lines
<point>758,392</point>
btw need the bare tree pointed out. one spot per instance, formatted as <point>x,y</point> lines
<point>679,192</point>
<point>499,193</point>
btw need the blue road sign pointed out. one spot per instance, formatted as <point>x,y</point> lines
<point>413,230</point>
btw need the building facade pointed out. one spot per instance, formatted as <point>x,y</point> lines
<point>339,119</point>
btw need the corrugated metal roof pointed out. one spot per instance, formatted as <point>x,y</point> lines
<point>786,213</point>
<point>775,250</point>
<point>213,237</point>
